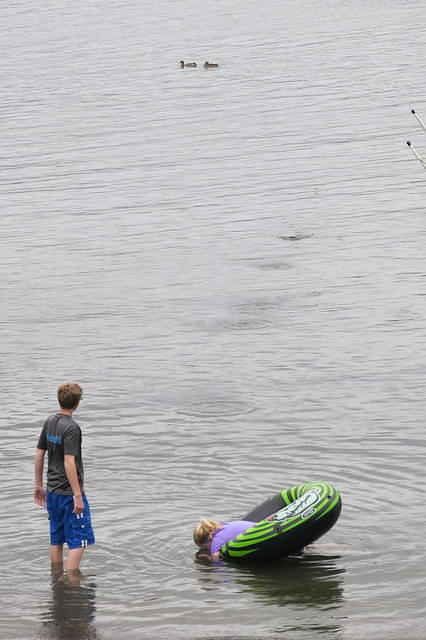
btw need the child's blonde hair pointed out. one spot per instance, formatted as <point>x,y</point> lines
<point>204,532</point>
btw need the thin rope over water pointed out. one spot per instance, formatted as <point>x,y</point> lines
<point>423,126</point>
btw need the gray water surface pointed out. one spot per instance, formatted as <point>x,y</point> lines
<point>231,262</point>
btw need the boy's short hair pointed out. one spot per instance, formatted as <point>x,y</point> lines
<point>69,395</point>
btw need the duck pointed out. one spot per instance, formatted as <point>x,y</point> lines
<point>187,64</point>
<point>210,65</point>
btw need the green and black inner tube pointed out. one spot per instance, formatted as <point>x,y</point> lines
<point>290,520</point>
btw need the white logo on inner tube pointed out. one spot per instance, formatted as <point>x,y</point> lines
<point>300,507</point>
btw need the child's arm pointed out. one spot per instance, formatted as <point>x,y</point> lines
<point>71,471</point>
<point>39,491</point>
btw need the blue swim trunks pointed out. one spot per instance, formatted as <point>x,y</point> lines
<point>66,526</point>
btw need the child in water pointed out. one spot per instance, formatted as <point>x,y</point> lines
<point>64,496</point>
<point>211,535</point>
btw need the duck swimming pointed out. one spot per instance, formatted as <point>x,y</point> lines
<point>210,65</point>
<point>187,64</point>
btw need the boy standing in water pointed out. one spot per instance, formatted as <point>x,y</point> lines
<point>67,505</point>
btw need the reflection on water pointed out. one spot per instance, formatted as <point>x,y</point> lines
<point>70,614</point>
<point>310,581</point>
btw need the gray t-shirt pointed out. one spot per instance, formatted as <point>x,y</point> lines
<point>61,436</point>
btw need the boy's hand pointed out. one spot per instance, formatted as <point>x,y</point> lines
<point>78,504</point>
<point>40,496</point>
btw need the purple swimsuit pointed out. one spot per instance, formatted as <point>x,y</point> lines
<point>229,530</point>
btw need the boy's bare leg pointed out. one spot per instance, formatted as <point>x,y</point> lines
<point>74,558</point>
<point>74,577</point>
<point>57,569</point>
<point>56,553</point>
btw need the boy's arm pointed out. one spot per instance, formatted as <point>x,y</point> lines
<point>39,491</point>
<point>71,473</point>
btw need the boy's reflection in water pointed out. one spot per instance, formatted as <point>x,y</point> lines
<point>71,611</point>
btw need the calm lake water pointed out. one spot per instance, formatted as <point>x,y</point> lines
<point>231,262</point>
